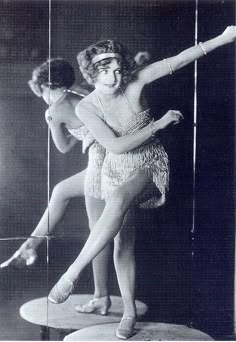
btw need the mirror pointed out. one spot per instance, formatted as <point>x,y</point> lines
<point>184,278</point>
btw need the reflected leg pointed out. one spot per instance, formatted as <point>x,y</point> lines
<point>95,208</point>
<point>61,195</point>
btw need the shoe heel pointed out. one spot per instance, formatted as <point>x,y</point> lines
<point>106,307</point>
<point>103,311</point>
<point>99,306</point>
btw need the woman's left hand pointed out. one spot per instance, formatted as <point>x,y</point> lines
<point>229,34</point>
<point>172,116</point>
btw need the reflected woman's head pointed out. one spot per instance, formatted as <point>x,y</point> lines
<point>62,75</point>
<point>101,54</point>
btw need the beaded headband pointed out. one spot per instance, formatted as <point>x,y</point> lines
<point>104,56</point>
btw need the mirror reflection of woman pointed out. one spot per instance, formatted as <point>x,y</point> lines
<point>66,130</point>
<point>129,178</point>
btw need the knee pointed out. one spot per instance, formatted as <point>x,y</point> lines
<point>58,192</point>
<point>119,244</point>
<point>118,251</point>
<point>118,202</point>
<point>123,246</point>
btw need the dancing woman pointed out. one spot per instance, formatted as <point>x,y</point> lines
<point>139,176</point>
<point>63,97</point>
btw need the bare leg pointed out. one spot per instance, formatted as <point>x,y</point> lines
<point>125,263</point>
<point>125,269</point>
<point>61,195</point>
<point>109,223</point>
<point>100,263</point>
<point>101,301</point>
<point>107,227</point>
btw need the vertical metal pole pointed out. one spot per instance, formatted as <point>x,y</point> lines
<point>234,322</point>
<point>49,148</point>
<point>234,317</point>
<point>195,119</point>
<point>194,164</point>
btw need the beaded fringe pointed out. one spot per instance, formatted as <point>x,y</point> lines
<point>150,158</point>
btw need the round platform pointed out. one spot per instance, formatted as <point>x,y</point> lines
<point>144,331</point>
<point>64,316</point>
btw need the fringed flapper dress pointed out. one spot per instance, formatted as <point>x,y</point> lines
<point>150,158</point>
<point>96,155</point>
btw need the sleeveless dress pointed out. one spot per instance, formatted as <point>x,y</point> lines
<point>96,155</point>
<point>149,158</point>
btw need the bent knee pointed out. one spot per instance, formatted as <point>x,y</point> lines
<point>59,191</point>
<point>119,201</point>
<point>123,251</point>
<point>123,243</point>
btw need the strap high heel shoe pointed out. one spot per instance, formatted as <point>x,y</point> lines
<point>99,306</point>
<point>21,259</point>
<point>61,291</point>
<point>126,328</point>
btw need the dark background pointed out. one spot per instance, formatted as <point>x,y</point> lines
<point>183,277</point>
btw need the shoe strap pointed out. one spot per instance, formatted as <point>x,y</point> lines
<point>128,318</point>
<point>69,281</point>
<point>126,321</point>
<point>95,300</point>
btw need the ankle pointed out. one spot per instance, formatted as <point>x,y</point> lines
<point>130,312</point>
<point>31,243</point>
<point>105,300</point>
<point>129,316</point>
<point>28,244</point>
<point>100,294</point>
<point>71,275</point>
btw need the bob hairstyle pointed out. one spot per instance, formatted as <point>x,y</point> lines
<point>61,75</point>
<point>90,70</point>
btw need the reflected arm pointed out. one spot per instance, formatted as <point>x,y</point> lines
<point>62,140</point>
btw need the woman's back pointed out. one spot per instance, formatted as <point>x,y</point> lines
<point>64,110</point>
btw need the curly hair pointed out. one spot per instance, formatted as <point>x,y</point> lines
<point>90,70</point>
<point>61,75</point>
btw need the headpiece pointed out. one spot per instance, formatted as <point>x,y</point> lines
<point>105,55</point>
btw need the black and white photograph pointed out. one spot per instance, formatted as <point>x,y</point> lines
<point>117,170</point>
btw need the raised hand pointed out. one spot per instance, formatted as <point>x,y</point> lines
<point>171,117</point>
<point>229,34</point>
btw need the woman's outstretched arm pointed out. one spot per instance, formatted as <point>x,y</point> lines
<point>167,66</point>
<point>117,145</point>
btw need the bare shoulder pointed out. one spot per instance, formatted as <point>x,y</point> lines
<point>134,87</point>
<point>86,104</point>
<point>60,112</point>
<point>88,99</point>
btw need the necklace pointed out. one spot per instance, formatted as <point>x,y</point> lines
<point>74,92</point>
<point>59,98</point>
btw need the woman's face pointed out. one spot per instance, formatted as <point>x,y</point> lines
<point>109,77</point>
